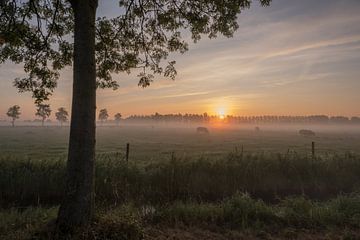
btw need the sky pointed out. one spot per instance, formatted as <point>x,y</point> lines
<point>291,58</point>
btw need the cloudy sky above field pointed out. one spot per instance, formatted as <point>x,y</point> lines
<point>292,58</point>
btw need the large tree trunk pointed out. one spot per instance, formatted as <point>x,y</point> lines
<point>76,209</point>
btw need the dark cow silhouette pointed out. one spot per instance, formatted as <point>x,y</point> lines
<point>202,130</point>
<point>307,133</point>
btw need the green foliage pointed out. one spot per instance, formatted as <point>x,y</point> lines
<point>244,212</point>
<point>13,113</point>
<point>305,213</point>
<point>43,111</point>
<point>36,223</point>
<point>26,181</point>
<point>299,211</point>
<point>20,224</point>
<point>103,115</point>
<point>62,115</point>
<point>188,214</point>
<point>37,34</point>
<point>346,209</point>
<point>33,33</point>
<point>238,213</point>
<point>115,224</point>
<point>117,117</point>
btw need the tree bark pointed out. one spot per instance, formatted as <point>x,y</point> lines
<point>76,209</point>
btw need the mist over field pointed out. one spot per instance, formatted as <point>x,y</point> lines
<point>151,140</point>
<point>179,120</point>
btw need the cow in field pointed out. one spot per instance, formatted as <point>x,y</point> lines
<point>202,130</point>
<point>307,133</point>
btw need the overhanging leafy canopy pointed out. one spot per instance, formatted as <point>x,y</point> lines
<point>39,33</point>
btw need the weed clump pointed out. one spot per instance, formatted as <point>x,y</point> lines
<point>243,212</point>
<point>117,224</point>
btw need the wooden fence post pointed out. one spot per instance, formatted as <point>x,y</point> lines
<point>127,152</point>
<point>313,149</point>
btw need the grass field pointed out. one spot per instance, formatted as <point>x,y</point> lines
<point>150,143</point>
<point>234,183</point>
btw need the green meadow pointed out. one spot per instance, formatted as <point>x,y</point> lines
<point>234,182</point>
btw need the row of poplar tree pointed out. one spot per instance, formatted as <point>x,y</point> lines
<point>43,111</point>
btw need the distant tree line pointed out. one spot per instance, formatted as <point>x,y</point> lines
<point>205,118</point>
<point>43,111</point>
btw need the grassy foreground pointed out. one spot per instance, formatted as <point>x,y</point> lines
<point>27,182</point>
<point>240,196</point>
<point>239,217</point>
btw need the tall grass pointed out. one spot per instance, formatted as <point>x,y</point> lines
<point>15,224</point>
<point>268,177</point>
<point>243,212</point>
<point>237,213</point>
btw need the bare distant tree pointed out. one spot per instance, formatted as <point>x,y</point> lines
<point>14,113</point>
<point>43,111</point>
<point>103,115</point>
<point>61,115</point>
<point>117,118</point>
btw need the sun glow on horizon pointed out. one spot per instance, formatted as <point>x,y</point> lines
<point>221,112</point>
<point>222,108</point>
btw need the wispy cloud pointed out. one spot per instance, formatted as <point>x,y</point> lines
<point>281,59</point>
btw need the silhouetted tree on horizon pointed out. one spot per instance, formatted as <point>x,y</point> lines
<point>117,118</point>
<point>103,115</point>
<point>13,113</point>
<point>43,111</point>
<point>61,115</point>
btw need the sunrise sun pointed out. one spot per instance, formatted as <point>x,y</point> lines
<point>221,112</point>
